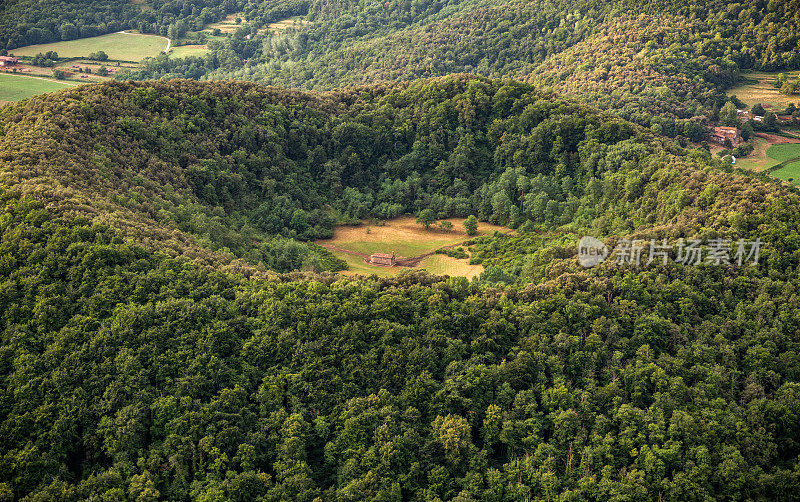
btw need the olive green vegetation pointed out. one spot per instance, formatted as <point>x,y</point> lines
<point>660,64</point>
<point>132,367</point>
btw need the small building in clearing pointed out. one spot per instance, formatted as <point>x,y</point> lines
<point>6,61</point>
<point>384,259</point>
<point>732,134</point>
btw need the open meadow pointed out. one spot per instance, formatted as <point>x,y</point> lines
<point>121,46</point>
<point>183,51</point>
<point>759,87</point>
<point>19,87</point>
<point>406,238</point>
<point>784,153</point>
<point>227,25</point>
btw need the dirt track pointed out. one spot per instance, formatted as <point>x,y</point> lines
<point>774,139</point>
<point>399,262</point>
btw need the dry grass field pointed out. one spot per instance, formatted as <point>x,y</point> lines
<point>227,25</point>
<point>183,51</point>
<point>287,23</point>
<point>760,88</point>
<point>406,238</point>
<point>758,160</point>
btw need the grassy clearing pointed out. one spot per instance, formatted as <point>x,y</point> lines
<point>291,23</point>
<point>784,152</point>
<point>445,265</point>
<point>17,87</point>
<point>790,172</point>
<point>766,155</point>
<point>406,238</point>
<point>758,160</point>
<point>124,46</point>
<point>188,50</point>
<point>227,25</point>
<point>760,88</point>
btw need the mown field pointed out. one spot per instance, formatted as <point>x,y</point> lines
<point>759,87</point>
<point>406,238</point>
<point>782,153</point>
<point>18,87</point>
<point>122,46</point>
<point>227,25</point>
<point>188,50</point>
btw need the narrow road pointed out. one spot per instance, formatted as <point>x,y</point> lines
<point>401,262</point>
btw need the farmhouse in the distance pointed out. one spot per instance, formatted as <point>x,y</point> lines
<point>383,259</point>
<point>732,134</point>
<point>7,61</point>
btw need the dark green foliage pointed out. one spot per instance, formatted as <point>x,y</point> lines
<point>234,164</point>
<point>128,373</point>
<point>665,60</point>
<point>25,22</point>
<point>457,252</point>
<point>125,372</point>
<point>471,225</point>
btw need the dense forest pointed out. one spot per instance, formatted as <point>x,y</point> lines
<point>649,61</point>
<point>151,351</point>
<point>26,22</point>
<point>672,65</point>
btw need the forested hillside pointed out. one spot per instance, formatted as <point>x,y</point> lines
<point>237,168</point>
<point>27,22</point>
<point>646,59</point>
<point>228,167</point>
<point>148,353</point>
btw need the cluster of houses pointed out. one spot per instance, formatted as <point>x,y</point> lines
<point>8,61</point>
<point>744,116</point>
<point>731,134</point>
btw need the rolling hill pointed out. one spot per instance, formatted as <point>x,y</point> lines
<point>148,352</point>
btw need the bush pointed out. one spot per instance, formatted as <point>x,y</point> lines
<point>471,225</point>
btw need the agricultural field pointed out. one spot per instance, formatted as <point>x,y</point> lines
<point>407,238</point>
<point>291,23</point>
<point>122,46</point>
<point>183,51</point>
<point>758,160</point>
<point>759,88</point>
<point>790,172</point>
<point>783,153</point>
<point>19,87</point>
<point>227,25</point>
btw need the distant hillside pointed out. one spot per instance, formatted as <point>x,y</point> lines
<point>645,59</point>
<point>28,22</point>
